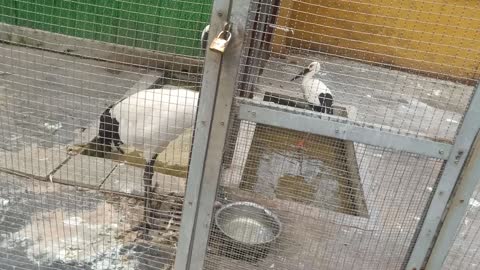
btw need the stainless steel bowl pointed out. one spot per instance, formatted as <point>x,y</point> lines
<point>249,228</point>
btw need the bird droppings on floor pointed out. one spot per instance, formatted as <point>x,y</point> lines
<point>60,236</point>
<point>474,203</point>
<point>53,127</point>
<point>83,238</point>
<point>89,229</point>
<point>4,202</point>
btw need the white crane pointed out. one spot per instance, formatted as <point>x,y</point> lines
<point>314,90</point>
<point>148,120</point>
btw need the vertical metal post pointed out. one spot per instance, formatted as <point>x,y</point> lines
<point>217,93</point>
<point>437,208</point>
<point>262,16</point>
<point>457,209</point>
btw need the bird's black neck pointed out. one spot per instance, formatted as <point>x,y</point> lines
<point>108,130</point>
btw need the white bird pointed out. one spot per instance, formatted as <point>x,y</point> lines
<point>314,90</point>
<point>148,120</point>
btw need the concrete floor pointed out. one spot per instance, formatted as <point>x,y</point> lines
<point>464,253</point>
<point>46,99</point>
<point>396,187</point>
<point>52,226</point>
<point>46,96</point>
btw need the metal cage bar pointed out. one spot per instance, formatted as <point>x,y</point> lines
<point>457,209</point>
<point>450,177</point>
<point>296,119</point>
<point>255,62</point>
<point>200,143</point>
<point>210,134</point>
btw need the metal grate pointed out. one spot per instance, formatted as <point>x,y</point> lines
<point>66,200</point>
<point>463,253</point>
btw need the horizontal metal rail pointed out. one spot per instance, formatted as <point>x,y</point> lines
<point>337,127</point>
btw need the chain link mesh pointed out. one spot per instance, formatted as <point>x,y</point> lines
<point>406,68</point>
<point>300,200</point>
<point>66,200</point>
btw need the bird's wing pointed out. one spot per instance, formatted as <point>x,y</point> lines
<point>318,87</point>
<point>312,89</point>
<point>154,117</point>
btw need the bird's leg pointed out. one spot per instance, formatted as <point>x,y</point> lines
<point>321,99</point>
<point>147,183</point>
<point>322,108</point>
<point>329,103</point>
<point>330,110</point>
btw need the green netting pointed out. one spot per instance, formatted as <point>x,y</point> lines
<point>164,25</point>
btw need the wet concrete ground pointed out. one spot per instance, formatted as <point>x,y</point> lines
<point>46,96</point>
<point>465,249</point>
<point>46,100</point>
<point>51,226</point>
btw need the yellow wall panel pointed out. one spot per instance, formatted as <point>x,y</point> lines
<point>437,37</point>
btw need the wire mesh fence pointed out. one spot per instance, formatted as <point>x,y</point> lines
<point>163,26</point>
<point>389,62</point>
<point>327,203</point>
<point>97,107</point>
<point>90,92</point>
<point>463,253</point>
<point>333,215</point>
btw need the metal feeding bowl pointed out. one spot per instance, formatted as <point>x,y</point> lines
<point>248,229</point>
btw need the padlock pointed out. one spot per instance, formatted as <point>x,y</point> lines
<point>220,43</point>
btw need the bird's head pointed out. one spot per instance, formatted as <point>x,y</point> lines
<point>312,68</point>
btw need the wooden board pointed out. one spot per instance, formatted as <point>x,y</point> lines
<point>171,168</point>
<point>337,157</point>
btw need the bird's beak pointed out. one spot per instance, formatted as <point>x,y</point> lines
<point>300,74</point>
